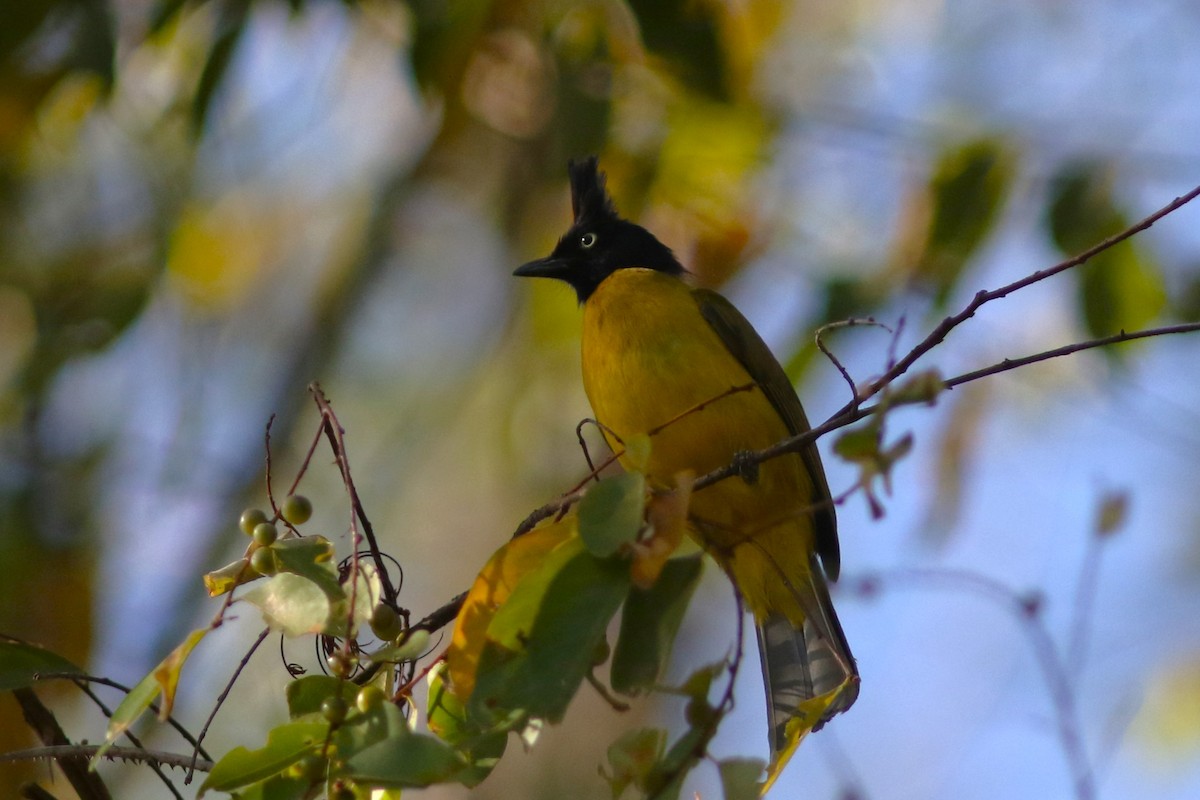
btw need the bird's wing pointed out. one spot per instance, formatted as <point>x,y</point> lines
<point>744,343</point>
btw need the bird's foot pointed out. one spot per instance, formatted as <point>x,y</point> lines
<point>746,466</point>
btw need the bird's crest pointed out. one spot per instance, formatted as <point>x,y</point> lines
<point>589,197</point>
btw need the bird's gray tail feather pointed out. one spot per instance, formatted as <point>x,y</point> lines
<point>802,663</point>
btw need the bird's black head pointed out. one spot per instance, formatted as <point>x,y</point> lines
<point>599,242</point>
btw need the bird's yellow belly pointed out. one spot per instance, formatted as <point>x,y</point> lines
<point>658,368</point>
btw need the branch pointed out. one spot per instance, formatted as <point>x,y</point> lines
<point>42,722</point>
<point>854,411</point>
<point>983,297</point>
<point>1027,610</point>
<point>197,749</point>
<point>60,753</point>
<point>335,434</point>
<point>1117,338</point>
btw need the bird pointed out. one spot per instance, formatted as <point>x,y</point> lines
<point>661,357</point>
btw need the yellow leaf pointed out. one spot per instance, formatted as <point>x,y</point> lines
<point>668,519</point>
<point>808,714</point>
<point>167,673</point>
<point>223,580</point>
<point>217,253</point>
<point>496,581</point>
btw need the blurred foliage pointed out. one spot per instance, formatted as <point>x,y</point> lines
<point>1120,289</point>
<point>966,193</point>
<point>148,170</point>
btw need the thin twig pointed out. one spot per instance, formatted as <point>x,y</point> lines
<point>76,677</point>
<point>267,448</point>
<point>1066,350</point>
<point>1054,671</point>
<point>87,784</point>
<point>703,404</point>
<point>851,413</point>
<point>845,323</point>
<point>983,297</point>
<point>86,751</point>
<point>221,701</point>
<point>335,435</point>
<point>130,735</point>
<point>584,447</point>
<point>607,696</point>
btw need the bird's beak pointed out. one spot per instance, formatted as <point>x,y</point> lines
<point>544,268</point>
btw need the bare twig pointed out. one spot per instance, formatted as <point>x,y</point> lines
<point>335,434</point>
<point>853,412</point>
<point>1066,350</point>
<point>41,721</point>
<point>983,297</point>
<point>130,735</point>
<point>78,678</point>
<point>221,700</point>
<point>59,753</point>
<point>846,323</point>
<point>1026,610</point>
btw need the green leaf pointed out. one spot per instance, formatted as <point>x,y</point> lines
<point>1112,513</point>
<point>361,731</point>
<point>367,593</point>
<point>305,695</point>
<point>633,757</point>
<point>687,36</point>
<point>163,12</point>
<point>649,624</point>
<point>277,787</point>
<point>1120,288</point>
<point>225,579</point>
<point>1081,212</point>
<point>163,678</point>
<point>411,649</point>
<point>286,744</point>
<point>21,664</point>
<point>666,779</point>
<point>405,760</point>
<point>445,34</point>
<point>921,387</point>
<point>541,642</point>
<point>310,557</point>
<point>739,777</point>
<point>859,444</point>
<point>967,191</point>
<point>447,718</point>
<point>231,23</point>
<point>610,514</point>
<point>291,604</point>
<point>700,681</point>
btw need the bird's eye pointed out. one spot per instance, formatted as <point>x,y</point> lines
<point>587,240</point>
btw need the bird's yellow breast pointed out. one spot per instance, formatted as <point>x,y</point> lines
<point>650,360</point>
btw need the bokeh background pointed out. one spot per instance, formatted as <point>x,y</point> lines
<point>204,206</point>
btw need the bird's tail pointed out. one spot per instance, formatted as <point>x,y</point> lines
<point>801,664</point>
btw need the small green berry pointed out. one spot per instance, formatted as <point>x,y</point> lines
<point>251,518</point>
<point>334,709</point>
<point>385,622</point>
<point>340,665</point>
<point>296,509</point>
<point>265,534</point>
<point>263,561</point>
<point>370,698</point>
<point>311,768</point>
